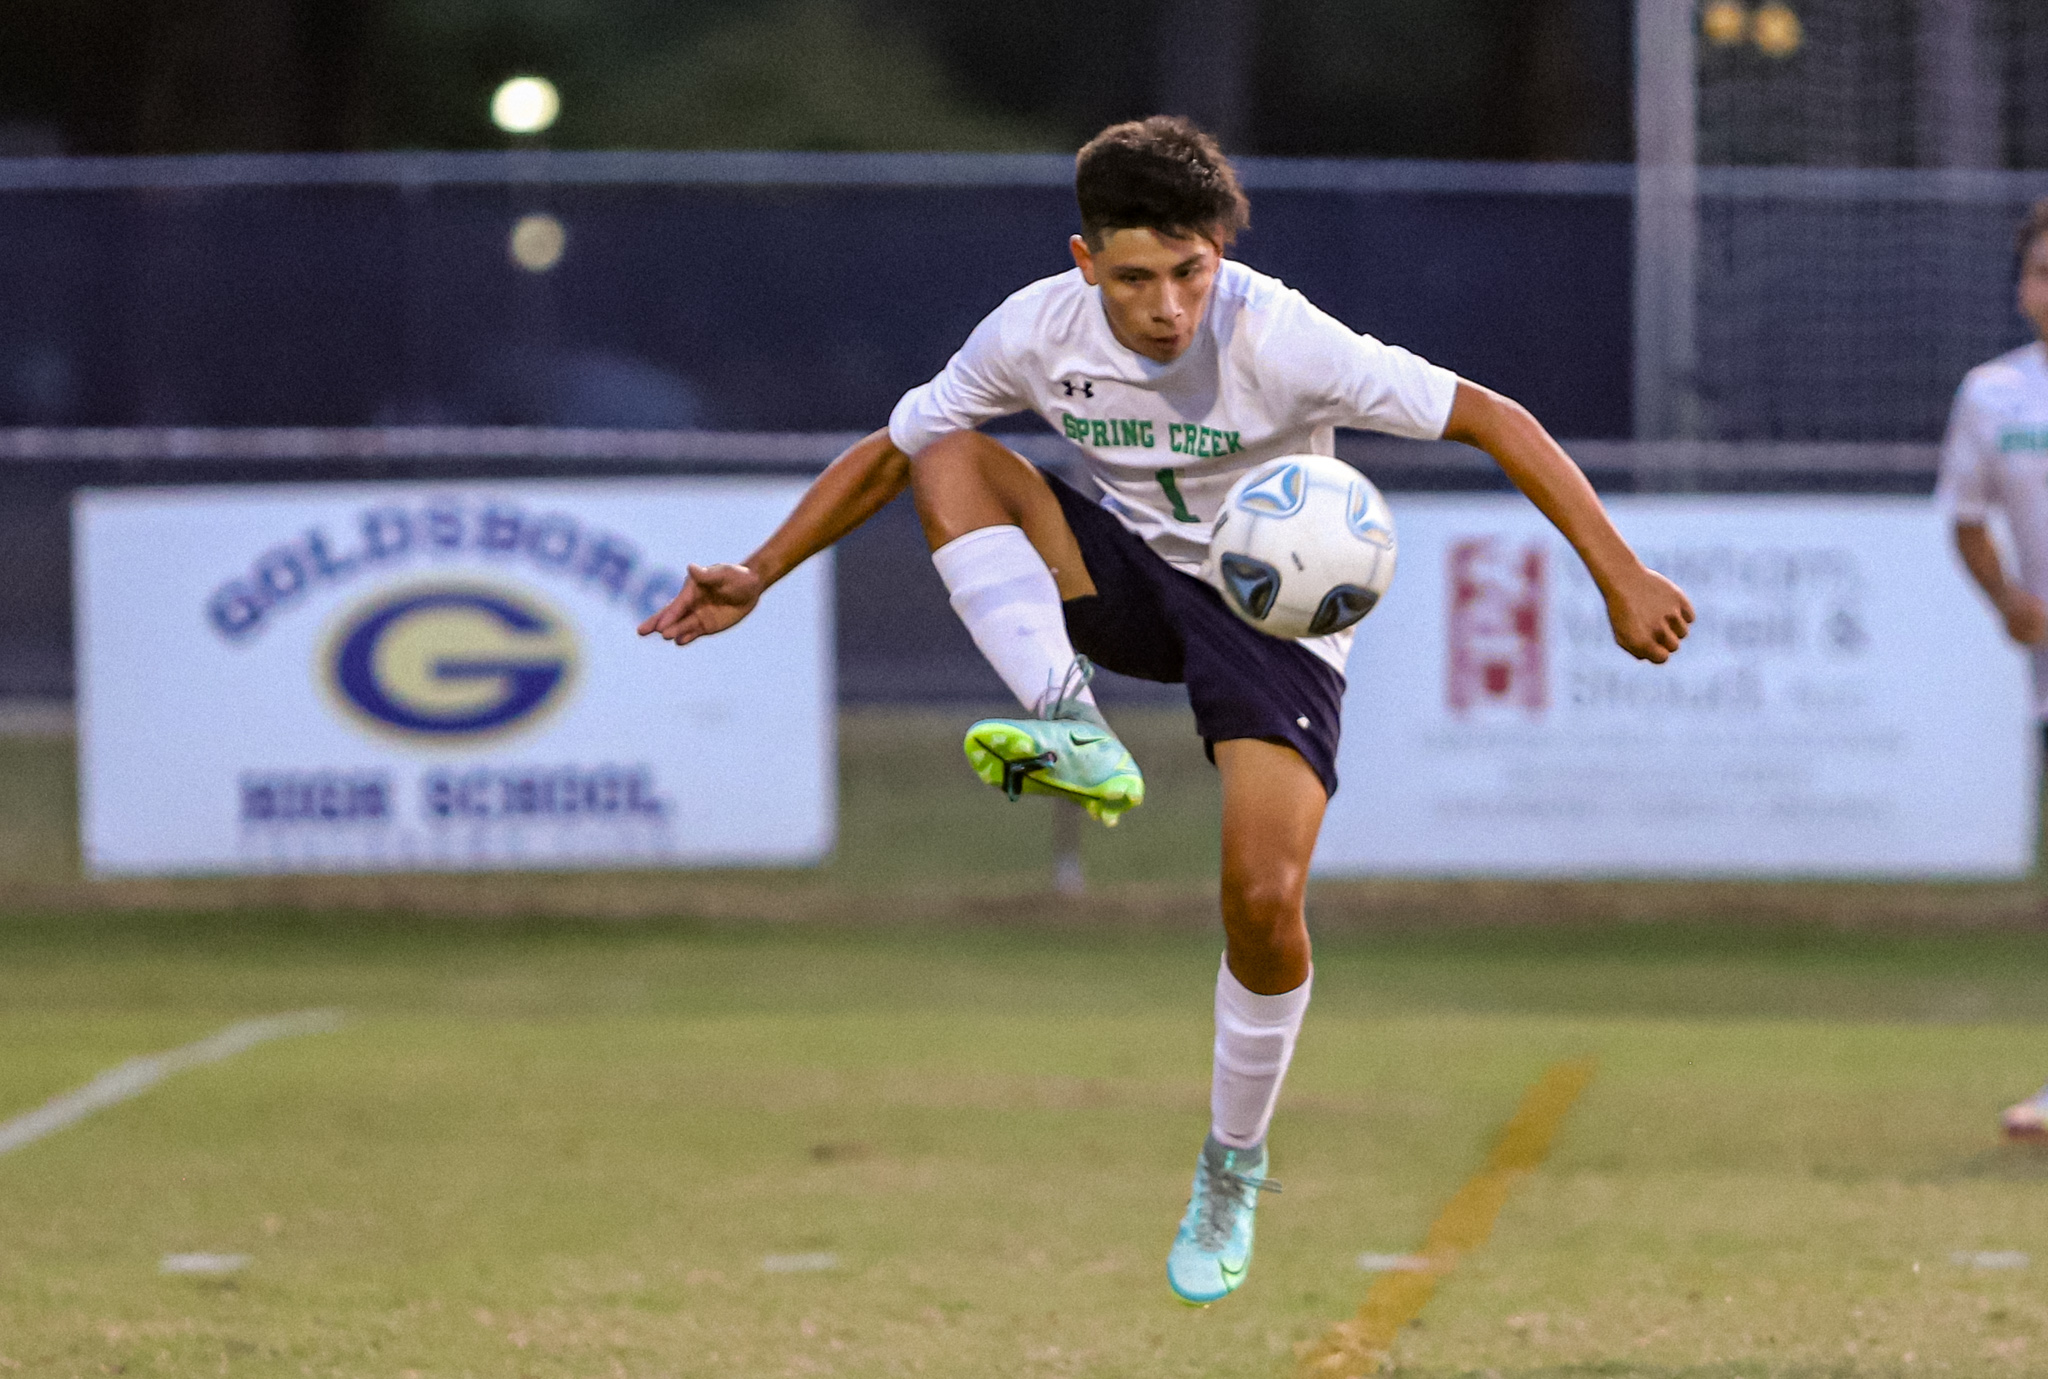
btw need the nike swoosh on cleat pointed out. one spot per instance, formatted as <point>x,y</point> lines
<point>1080,741</point>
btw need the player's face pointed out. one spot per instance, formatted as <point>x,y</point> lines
<point>2034,285</point>
<point>1154,289</point>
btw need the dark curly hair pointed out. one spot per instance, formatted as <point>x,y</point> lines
<point>1162,174</point>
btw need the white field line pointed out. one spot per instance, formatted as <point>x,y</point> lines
<point>1991,1259</point>
<point>203,1265</point>
<point>800,1264</point>
<point>138,1075</point>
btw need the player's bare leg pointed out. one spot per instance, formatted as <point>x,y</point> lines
<point>1010,561</point>
<point>1273,806</point>
<point>967,481</point>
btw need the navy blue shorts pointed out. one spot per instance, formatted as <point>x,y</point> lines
<point>1149,620</point>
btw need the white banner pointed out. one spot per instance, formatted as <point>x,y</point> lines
<point>442,676</point>
<point>1846,704</point>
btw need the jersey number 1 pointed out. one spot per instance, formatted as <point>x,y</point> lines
<point>1172,490</point>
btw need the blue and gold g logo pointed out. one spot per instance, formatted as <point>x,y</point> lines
<point>450,661</point>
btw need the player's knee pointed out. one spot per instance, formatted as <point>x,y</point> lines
<point>1266,900</point>
<point>956,479</point>
<point>961,454</point>
<point>955,448</point>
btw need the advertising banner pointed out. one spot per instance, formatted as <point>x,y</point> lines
<point>1846,704</point>
<point>442,676</point>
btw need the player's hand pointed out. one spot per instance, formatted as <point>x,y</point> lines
<point>714,597</point>
<point>1649,613</point>
<point>2026,617</point>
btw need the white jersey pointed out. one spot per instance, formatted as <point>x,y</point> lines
<point>1266,375</point>
<point>1995,455</point>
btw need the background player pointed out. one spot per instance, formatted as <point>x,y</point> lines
<point>1175,371</point>
<point>1995,456</point>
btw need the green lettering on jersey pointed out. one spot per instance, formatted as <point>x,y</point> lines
<point>1131,433</point>
<point>1171,487</point>
<point>1203,442</point>
<point>2023,438</point>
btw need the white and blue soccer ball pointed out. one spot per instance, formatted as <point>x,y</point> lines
<point>1303,547</point>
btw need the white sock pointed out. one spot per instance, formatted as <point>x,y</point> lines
<point>1254,1043</point>
<point>1003,592</point>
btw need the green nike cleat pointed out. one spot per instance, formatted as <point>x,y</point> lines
<point>1070,752</point>
<point>1214,1246</point>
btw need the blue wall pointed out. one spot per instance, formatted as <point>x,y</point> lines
<point>227,301</point>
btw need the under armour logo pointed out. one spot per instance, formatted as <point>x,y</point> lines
<point>1086,387</point>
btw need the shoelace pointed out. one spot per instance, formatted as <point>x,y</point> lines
<point>1078,677</point>
<point>1225,1193</point>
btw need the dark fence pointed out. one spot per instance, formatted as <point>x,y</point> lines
<point>699,300</point>
<point>728,292</point>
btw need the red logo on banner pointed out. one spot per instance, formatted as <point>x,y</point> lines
<point>1496,628</point>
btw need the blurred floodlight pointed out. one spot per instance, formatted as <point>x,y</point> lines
<point>1777,30</point>
<point>538,241</point>
<point>525,105</point>
<point>1725,22</point>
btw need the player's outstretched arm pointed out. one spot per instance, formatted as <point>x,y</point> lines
<point>852,489</point>
<point>2026,617</point>
<point>1649,613</point>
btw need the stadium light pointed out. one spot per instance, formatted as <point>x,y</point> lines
<point>537,242</point>
<point>525,105</point>
<point>1777,30</point>
<point>1725,23</point>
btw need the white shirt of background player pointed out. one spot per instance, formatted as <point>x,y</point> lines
<point>1266,375</point>
<point>1996,456</point>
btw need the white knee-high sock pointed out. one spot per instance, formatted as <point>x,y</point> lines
<point>1254,1043</point>
<point>1003,592</point>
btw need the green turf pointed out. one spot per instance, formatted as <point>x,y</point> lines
<point>565,1150</point>
<point>554,1146</point>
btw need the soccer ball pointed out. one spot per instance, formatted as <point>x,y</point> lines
<point>1303,547</point>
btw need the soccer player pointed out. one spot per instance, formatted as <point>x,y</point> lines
<point>1996,456</point>
<point>1174,370</point>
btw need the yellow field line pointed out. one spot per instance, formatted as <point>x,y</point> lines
<point>1365,1343</point>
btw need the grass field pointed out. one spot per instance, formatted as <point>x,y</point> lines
<point>557,1146</point>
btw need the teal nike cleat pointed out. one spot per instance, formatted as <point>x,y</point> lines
<point>1069,751</point>
<point>1214,1248</point>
